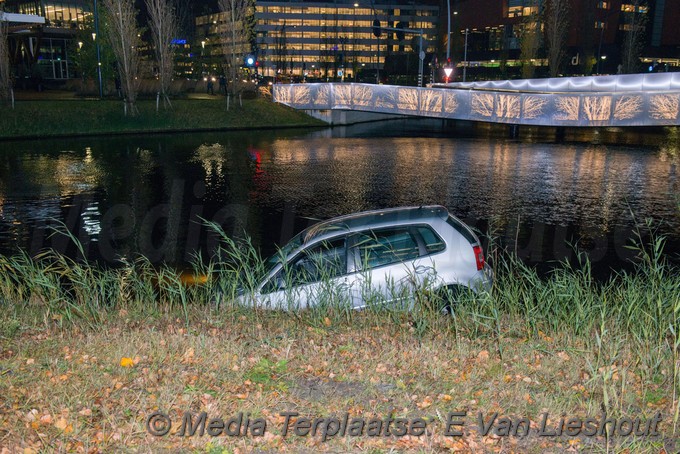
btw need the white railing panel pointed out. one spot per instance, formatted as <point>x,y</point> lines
<point>599,102</point>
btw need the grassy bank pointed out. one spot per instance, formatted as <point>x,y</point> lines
<point>50,118</point>
<point>88,354</point>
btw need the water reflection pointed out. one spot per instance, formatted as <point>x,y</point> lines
<point>129,195</point>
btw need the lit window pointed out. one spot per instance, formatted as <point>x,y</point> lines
<point>529,10</point>
<point>515,11</point>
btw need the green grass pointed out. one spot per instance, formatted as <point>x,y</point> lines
<point>565,344</point>
<point>91,117</point>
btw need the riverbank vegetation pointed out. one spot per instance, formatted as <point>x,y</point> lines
<point>52,118</point>
<point>89,353</point>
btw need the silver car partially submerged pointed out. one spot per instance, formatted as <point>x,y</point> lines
<point>378,257</point>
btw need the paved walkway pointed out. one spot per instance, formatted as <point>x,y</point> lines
<point>52,95</point>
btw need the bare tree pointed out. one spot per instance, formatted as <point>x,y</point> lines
<point>163,25</point>
<point>124,38</point>
<point>234,35</point>
<point>5,73</point>
<point>184,15</point>
<point>633,39</point>
<point>530,40</point>
<point>556,19</point>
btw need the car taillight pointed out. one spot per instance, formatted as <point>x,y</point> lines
<point>479,257</point>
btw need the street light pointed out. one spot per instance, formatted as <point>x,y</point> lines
<point>448,34</point>
<point>465,62</point>
<point>99,60</point>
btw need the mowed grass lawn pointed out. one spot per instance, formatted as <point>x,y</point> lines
<point>68,389</point>
<point>48,118</point>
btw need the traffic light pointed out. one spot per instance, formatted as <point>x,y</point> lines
<point>376,28</point>
<point>400,33</point>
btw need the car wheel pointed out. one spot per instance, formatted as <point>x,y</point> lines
<point>447,298</point>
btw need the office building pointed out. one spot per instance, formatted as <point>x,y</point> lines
<point>333,39</point>
<point>597,31</point>
<point>43,50</point>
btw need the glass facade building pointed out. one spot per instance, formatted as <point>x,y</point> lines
<point>69,14</point>
<point>42,51</point>
<point>331,40</point>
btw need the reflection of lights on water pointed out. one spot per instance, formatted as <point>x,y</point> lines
<point>211,158</point>
<point>91,220</point>
<point>74,175</point>
<point>88,155</point>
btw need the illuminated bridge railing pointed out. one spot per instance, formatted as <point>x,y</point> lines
<point>631,100</point>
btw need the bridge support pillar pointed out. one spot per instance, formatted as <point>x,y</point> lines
<point>560,134</point>
<point>514,131</point>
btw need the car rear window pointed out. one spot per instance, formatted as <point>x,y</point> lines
<point>383,247</point>
<point>432,241</point>
<point>453,222</point>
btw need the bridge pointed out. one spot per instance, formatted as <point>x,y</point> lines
<point>623,100</point>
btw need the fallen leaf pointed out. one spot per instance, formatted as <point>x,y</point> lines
<point>61,424</point>
<point>126,362</point>
<point>563,356</point>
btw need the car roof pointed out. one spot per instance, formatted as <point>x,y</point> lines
<point>375,218</point>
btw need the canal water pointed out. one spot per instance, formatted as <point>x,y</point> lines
<point>148,195</point>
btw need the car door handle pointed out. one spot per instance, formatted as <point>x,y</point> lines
<point>422,269</point>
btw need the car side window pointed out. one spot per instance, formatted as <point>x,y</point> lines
<point>326,260</point>
<point>433,243</point>
<point>384,247</point>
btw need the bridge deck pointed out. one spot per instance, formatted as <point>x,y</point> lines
<point>626,100</point>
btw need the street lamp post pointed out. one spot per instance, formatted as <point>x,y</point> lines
<point>599,47</point>
<point>465,62</point>
<point>354,43</point>
<point>448,34</point>
<point>99,61</point>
